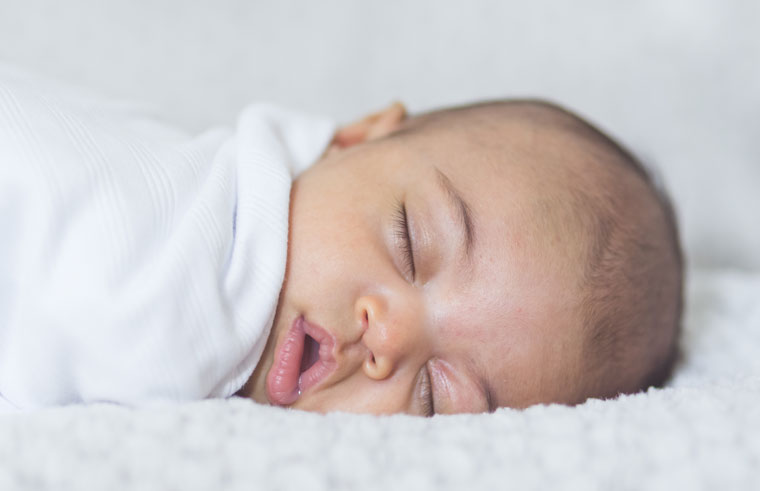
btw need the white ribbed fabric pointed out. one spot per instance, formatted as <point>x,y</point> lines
<point>137,263</point>
<point>6,407</point>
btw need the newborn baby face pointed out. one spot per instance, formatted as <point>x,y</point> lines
<point>424,277</point>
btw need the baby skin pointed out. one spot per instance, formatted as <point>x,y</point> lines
<point>496,255</point>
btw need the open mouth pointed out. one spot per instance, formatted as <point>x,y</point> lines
<point>310,353</point>
<point>302,360</point>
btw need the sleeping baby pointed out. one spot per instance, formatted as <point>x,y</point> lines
<point>499,254</point>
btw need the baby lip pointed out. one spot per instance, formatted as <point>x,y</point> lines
<point>325,339</point>
<point>285,382</point>
<point>283,376</point>
<point>326,363</point>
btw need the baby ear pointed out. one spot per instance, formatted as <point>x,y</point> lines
<point>375,125</point>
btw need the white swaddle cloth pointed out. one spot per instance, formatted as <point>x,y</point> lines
<point>138,263</point>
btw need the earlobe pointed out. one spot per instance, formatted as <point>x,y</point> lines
<point>371,127</point>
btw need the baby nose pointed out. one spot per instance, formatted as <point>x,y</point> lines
<point>389,335</point>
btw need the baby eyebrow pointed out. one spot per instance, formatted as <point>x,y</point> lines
<point>464,211</point>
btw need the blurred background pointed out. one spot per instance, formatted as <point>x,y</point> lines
<point>676,80</point>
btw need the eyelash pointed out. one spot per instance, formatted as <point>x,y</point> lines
<point>401,229</point>
<point>428,404</point>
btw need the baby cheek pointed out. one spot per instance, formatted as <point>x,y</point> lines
<point>400,317</point>
<point>400,334</point>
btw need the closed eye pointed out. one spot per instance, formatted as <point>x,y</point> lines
<point>426,395</point>
<point>401,232</point>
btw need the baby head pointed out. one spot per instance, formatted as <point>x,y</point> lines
<point>498,254</point>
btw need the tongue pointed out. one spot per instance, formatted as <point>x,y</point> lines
<point>282,380</point>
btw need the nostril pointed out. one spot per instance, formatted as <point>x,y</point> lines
<point>377,367</point>
<point>365,321</point>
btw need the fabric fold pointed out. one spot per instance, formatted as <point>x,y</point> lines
<point>138,263</point>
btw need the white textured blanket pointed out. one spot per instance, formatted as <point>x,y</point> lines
<point>137,262</point>
<point>701,432</point>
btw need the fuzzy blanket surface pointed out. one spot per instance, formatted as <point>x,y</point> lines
<point>700,432</point>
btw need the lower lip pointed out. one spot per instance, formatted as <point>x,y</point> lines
<point>285,382</point>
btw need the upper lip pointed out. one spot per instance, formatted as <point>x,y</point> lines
<point>325,339</point>
<point>326,363</point>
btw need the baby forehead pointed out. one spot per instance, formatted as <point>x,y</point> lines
<point>518,183</point>
<point>545,181</point>
<point>515,155</point>
<point>529,192</point>
<point>529,241</point>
